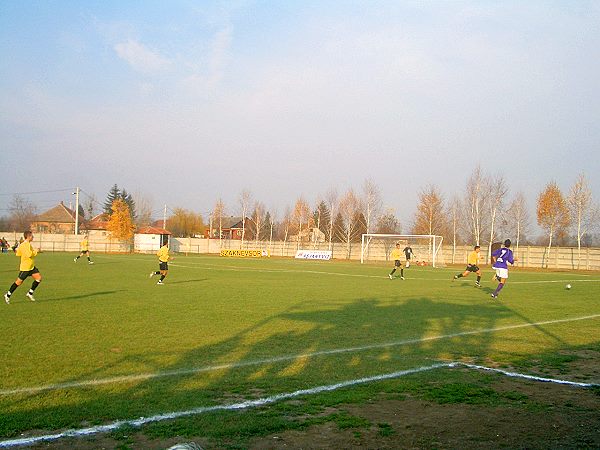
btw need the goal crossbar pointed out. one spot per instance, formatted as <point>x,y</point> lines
<point>436,243</point>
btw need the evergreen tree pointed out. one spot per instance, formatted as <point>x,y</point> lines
<point>127,198</point>
<point>113,194</point>
<point>321,218</point>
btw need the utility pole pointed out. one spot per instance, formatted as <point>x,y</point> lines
<point>76,210</point>
<point>165,218</point>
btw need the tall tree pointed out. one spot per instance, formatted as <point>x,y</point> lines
<point>350,211</point>
<point>216,218</point>
<point>454,216</point>
<point>584,214</point>
<point>185,223</point>
<point>244,200</point>
<point>258,219</point>
<point>120,225</point>
<point>552,213</point>
<point>301,218</point>
<point>496,192</point>
<point>518,217</point>
<point>371,202</point>
<point>476,190</point>
<point>332,203</point>
<point>430,217</point>
<point>113,194</point>
<point>322,217</point>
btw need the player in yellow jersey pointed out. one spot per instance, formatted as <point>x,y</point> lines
<point>472,266</point>
<point>85,250</point>
<point>163,259</point>
<point>396,255</point>
<point>27,267</point>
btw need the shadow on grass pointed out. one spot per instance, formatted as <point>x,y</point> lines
<point>78,297</point>
<point>187,281</point>
<point>306,345</point>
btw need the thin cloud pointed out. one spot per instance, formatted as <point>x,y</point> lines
<point>141,58</point>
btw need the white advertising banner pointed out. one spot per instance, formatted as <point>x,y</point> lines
<point>324,255</point>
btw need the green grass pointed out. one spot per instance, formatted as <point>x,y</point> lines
<point>110,320</point>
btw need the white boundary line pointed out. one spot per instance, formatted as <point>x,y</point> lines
<point>264,401</point>
<point>146,376</point>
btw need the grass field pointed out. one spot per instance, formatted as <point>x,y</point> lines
<point>104,343</point>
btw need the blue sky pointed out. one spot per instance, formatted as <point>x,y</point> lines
<point>183,102</point>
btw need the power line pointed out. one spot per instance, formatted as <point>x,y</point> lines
<point>35,192</point>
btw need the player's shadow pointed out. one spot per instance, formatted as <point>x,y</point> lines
<point>306,345</point>
<point>80,296</point>
<point>198,280</point>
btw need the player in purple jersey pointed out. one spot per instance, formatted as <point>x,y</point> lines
<point>500,260</point>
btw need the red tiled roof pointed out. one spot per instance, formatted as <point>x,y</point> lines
<point>152,230</point>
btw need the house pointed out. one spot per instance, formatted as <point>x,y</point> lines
<point>231,228</point>
<point>97,225</point>
<point>150,239</point>
<point>309,235</point>
<point>59,220</point>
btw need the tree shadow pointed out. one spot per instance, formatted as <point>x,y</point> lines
<point>305,345</point>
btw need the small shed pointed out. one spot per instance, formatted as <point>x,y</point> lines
<point>150,239</point>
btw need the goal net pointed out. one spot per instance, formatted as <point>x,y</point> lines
<point>426,248</point>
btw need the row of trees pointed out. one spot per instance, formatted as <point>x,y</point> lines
<point>484,214</point>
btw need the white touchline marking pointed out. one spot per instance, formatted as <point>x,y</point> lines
<point>235,365</point>
<point>265,401</point>
<point>207,266</point>
<point>528,377</point>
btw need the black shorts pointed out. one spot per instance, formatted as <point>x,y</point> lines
<point>26,273</point>
<point>472,268</point>
<point>84,252</point>
<point>397,263</point>
<point>163,265</point>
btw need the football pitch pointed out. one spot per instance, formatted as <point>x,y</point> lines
<point>105,345</point>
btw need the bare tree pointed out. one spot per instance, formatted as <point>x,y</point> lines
<point>496,192</point>
<point>552,213</point>
<point>244,200</point>
<point>301,217</point>
<point>519,216</point>
<point>349,209</point>
<point>286,223</point>
<point>332,202</point>
<point>430,217</point>
<point>143,206</point>
<point>584,214</point>
<point>454,215</point>
<point>372,203</point>
<point>258,216</point>
<point>21,213</point>
<point>271,221</point>
<point>476,187</point>
<point>216,218</point>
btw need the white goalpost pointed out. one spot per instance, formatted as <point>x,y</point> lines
<point>427,248</point>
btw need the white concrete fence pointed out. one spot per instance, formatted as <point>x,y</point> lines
<point>528,256</point>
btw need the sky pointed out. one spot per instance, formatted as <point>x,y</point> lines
<point>184,102</point>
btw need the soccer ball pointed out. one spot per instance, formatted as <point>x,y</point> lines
<point>568,286</point>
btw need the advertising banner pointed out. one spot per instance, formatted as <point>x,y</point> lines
<point>324,255</point>
<point>245,253</point>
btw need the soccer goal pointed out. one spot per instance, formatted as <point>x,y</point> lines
<point>426,248</point>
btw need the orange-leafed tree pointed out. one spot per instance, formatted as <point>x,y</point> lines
<point>552,213</point>
<point>120,224</point>
<point>430,217</point>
